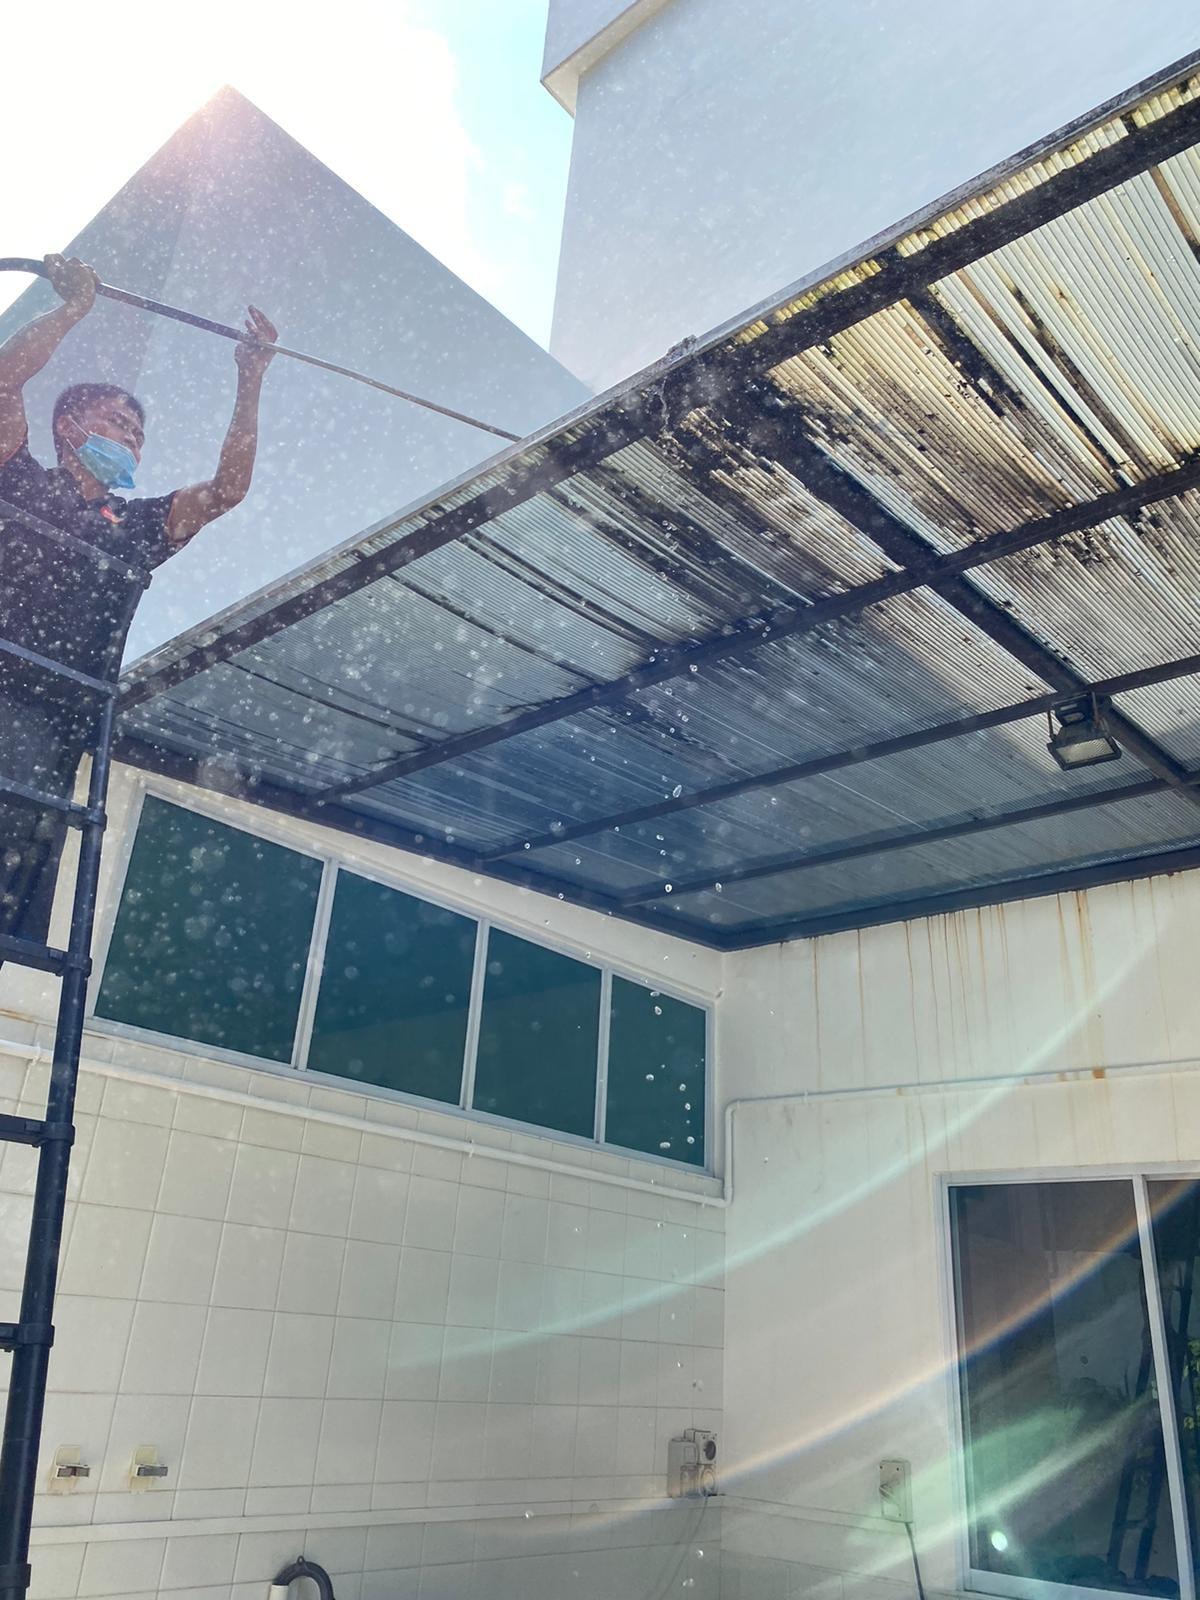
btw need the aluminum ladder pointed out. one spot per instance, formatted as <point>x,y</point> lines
<point>29,1340</point>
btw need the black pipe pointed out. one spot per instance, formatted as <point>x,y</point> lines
<point>35,1331</point>
<point>300,1568</point>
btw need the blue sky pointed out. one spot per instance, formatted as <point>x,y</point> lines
<point>524,136</point>
<point>432,109</point>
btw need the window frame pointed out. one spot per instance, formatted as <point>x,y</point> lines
<point>275,830</point>
<point>974,1580</point>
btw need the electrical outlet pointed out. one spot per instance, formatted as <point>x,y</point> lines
<point>895,1490</point>
<point>692,1463</point>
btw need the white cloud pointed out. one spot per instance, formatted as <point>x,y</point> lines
<point>517,202</point>
<point>361,84</point>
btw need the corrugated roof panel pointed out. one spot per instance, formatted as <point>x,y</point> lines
<point>1171,713</point>
<point>269,723</point>
<point>1110,293</point>
<point>1159,822</point>
<point>1010,765</point>
<point>733,720</point>
<point>771,525</point>
<point>887,403</point>
<point>1145,573</point>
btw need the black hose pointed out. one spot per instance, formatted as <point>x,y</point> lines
<point>28,264</point>
<point>300,1568</point>
<point>912,1545</point>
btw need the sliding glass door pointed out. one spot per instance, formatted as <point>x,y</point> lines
<point>1078,1327</point>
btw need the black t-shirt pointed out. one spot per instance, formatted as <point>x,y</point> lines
<point>58,600</point>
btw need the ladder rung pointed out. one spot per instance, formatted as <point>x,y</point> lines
<point>14,1333</point>
<point>42,957</point>
<point>56,669</point>
<point>72,541</point>
<point>73,812</point>
<point>33,1130</point>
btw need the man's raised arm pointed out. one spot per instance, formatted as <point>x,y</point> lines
<point>29,349</point>
<point>192,508</point>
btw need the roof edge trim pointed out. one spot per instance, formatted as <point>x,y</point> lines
<point>561,77</point>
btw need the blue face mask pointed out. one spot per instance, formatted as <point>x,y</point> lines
<point>110,463</point>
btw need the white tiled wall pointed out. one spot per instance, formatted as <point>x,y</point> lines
<point>323,1325</point>
<point>586,1555</point>
<point>1052,1036</point>
<point>439,1356</point>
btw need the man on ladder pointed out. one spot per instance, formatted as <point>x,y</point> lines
<point>56,602</point>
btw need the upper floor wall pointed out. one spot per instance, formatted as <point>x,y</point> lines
<point>580,32</point>
<point>233,210</point>
<point>723,151</point>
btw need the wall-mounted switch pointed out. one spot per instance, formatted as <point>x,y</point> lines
<point>67,1469</point>
<point>146,1470</point>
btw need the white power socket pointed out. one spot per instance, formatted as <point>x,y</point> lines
<point>895,1490</point>
<point>692,1463</point>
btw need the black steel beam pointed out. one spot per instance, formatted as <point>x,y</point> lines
<point>696,380</point>
<point>899,839</point>
<point>1069,880</point>
<point>921,567</point>
<point>202,774</point>
<point>855,755</point>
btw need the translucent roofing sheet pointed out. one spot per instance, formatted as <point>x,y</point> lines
<point>764,554</point>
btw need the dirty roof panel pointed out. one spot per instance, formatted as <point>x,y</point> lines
<point>737,611</point>
<point>854,890</point>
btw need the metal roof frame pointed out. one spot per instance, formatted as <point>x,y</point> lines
<point>733,377</point>
<point>679,382</point>
<point>902,839</point>
<point>856,755</point>
<point>921,567</point>
<point>1072,880</point>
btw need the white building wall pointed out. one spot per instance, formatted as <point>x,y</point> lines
<point>341,282</point>
<point>428,1351</point>
<point>1042,1036</point>
<point>572,24</point>
<point>579,32</point>
<point>727,148</point>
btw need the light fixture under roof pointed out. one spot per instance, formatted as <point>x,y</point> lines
<point>1082,738</point>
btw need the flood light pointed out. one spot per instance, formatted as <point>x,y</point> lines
<point>1081,738</point>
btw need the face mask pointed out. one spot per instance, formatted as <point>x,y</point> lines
<point>110,463</point>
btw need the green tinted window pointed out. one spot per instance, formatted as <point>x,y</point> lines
<point>394,991</point>
<point>212,934</point>
<point>538,1036</point>
<point>655,1074</point>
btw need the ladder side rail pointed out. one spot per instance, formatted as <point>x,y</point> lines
<point>35,1333</point>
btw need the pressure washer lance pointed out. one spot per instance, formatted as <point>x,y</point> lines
<point>21,264</point>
